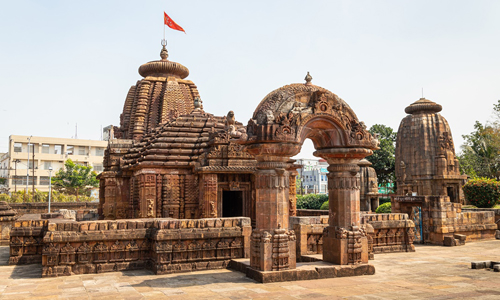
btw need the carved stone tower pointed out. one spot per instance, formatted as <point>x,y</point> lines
<point>425,154</point>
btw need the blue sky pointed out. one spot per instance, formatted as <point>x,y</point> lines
<point>68,62</point>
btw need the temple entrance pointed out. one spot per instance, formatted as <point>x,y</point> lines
<point>232,204</point>
<point>452,193</point>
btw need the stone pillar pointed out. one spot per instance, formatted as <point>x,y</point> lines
<point>208,196</point>
<point>272,243</point>
<point>344,240</point>
<point>147,195</point>
<point>292,192</point>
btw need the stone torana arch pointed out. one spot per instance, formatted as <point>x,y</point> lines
<point>280,124</point>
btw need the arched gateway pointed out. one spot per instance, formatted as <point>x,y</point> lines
<point>280,124</point>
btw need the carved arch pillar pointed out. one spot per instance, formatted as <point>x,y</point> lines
<point>272,243</point>
<point>344,240</point>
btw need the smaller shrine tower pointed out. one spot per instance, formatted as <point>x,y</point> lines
<point>426,163</point>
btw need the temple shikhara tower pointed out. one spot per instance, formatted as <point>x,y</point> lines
<point>170,158</point>
<point>429,183</point>
<point>426,163</point>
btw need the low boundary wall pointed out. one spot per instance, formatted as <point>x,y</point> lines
<point>161,245</point>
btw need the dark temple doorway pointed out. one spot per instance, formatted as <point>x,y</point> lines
<point>451,193</point>
<point>232,204</point>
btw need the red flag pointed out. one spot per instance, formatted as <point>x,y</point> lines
<point>170,23</point>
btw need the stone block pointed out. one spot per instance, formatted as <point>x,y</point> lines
<point>461,238</point>
<point>112,225</point>
<point>449,241</point>
<point>103,225</point>
<point>480,264</point>
<point>497,234</point>
<point>131,224</point>
<point>122,225</point>
<point>84,227</point>
<point>92,226</point>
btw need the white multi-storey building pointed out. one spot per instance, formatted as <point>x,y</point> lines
<point>313,176</point>
<point>45,153</point>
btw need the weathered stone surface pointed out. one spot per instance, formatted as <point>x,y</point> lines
<point>429,180</point>
<point>66,247</point>
<point>450,241</point>
<point>368,192</point>
<point>170,158</point>
<point>480,264</point>
<point>7,218</point>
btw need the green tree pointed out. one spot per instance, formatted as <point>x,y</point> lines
<point>75,179</point>
<point>480,154</point>
<point>298,184</point>
<point>383,160</point>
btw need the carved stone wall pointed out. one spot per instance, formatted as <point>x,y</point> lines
<point>441,217</point>
<point>26,241</point>
<point>7,218</point>
<point>392,232</point>
<point>385,233</point>
<point>162,245</point>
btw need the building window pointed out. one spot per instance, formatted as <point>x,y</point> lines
<point>57,149</point>
<point>98,167</point>
<point>99,151</point>
<point>18,180</point>
<point>44,180</point>
<point>18,147</point>
<point>70,150</point>
<point>47,165</point>
<point>45,148</point>
<point>81,150</point>
<point>21,180</point>
<point>32,164</point>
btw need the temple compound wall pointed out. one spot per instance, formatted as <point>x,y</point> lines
<point>441,218</point>
<point>7,218</point>
<point>429,180</point>
<point>162,245</point>
<point>386,233</point>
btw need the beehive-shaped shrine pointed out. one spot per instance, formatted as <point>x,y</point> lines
<point>426,163</point>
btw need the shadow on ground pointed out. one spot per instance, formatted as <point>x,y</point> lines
<point>21,271</point>
<point>189,279</point>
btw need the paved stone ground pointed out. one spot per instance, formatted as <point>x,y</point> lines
<point>430,273</point>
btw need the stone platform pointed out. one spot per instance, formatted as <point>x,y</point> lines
<point>314,269</point>
<point>431,272</point>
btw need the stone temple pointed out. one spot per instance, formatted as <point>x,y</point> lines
<point>171,159</point>
<point>426,163</point>
<point>184,190</point>
<point>429,183</point>
<point>167,147</point>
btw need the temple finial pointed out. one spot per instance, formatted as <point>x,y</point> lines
<point>164,52</point>
<point>308,79</point>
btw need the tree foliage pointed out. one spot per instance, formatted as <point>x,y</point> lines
<point>75,179</point>
<point>384,208</point>
<point>383,160</point>
<point>482,192</point>
<point>311,201</point>
<point>480,155</point>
